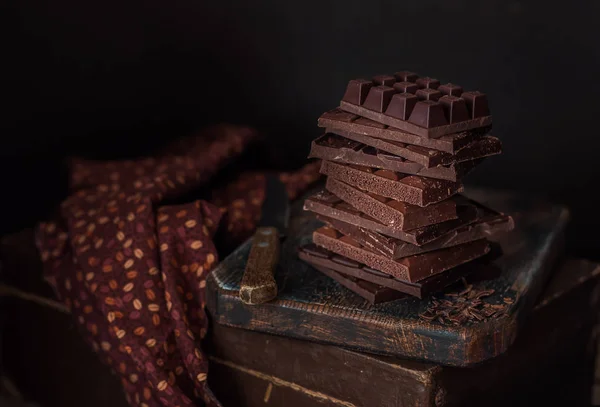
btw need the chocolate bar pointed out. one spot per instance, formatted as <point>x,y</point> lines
<point>332,147</point>
<point>372,292</point>
<point>489,224</point>
<point>394,214</point>
<point>326,205</point>
<point>417,105</point>
<point>406,188</point>
<point>412,268</point>
<point>318,257</point>
<point>337,120</point>
<point>484,146</point>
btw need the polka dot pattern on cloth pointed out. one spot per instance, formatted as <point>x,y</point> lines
<point>133,272</point>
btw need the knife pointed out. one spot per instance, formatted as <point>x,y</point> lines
<point>258,283</point>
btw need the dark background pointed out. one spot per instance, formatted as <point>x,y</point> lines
<point>116,78</point>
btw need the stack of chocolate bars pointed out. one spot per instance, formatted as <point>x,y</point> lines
<point>395,153</point>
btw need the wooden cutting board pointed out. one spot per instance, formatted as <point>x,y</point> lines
<point>312,307</point>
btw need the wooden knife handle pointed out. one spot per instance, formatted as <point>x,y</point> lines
<point>258,284</point>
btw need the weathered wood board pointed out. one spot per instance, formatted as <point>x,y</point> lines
<point>313,307</point>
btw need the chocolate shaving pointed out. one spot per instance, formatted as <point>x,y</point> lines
<point>467,305</point>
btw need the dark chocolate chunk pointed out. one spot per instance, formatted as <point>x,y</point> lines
<point>455,109</point>
<point>428,113</point>
<point>379,98</point>
<point>401,105</point>
<point>450,89</point>
<point>427,82</point>
<point>357,91</point>
<point>406,87</point>
<point>477,104</point>
<point>406,76</point>
<point>384,80</point>
<point>429,94</point>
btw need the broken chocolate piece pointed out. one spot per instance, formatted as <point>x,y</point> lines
<point>419,289</point>
<point>487,224</point>
<point>333,147</point>
<point>338,120</point>
<point>371,292</point>
<point>413,268</point>
<point>327,205</point>
<point>409,188</point>
<point>395,214</point>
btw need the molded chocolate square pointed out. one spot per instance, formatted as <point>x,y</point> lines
<point>433,124</point>
<point>477,104</point>
<point>406,76</point>
<point>384,80</point>
<point>455,109</point>
<point>451,89</point>
<point>406,87</point>
<point>379,98</point>
<point>428,113</point>
<point>429,94</point>
<point>357,91</point>
<point>402,105</point>
<point>427,82</point>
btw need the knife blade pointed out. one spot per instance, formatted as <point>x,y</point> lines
<point>258,283</point>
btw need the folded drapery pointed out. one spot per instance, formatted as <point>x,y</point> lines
<point>133,271</point>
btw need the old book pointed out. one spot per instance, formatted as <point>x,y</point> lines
<point>550,363</point>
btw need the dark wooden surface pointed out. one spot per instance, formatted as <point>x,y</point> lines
<point>313,307</point>
<point>550,363</point>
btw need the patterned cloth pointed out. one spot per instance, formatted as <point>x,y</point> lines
<point>134,272</point>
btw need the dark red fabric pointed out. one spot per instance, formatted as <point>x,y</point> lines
<point>133,272</point>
